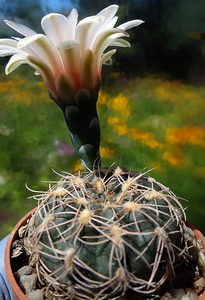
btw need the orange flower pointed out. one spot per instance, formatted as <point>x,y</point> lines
<point>175,159</point>
<point>191,135</point>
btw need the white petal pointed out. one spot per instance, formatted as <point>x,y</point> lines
<point>13,44</point>
<point>14,62</point>
<point>70,55</point>
<point>46,49</point>
<point>8,42</point>
<point>112,23</point>
<point>90,33</point>
<point>109,12</point>
<point>86,31</point>
<point>105,39</point>
<point>106,58</point>
<point>43,69</point>
<point>130,24</point>
<point>120,43</point>
<point>87,69</point>
<point>56,27</point>
<point>22,29</point>
<point>108,62</point>
<point>67,44</point>
<point>72,23</point>
<point>8,47</point>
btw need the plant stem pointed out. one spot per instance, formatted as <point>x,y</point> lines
<point>83,123</point>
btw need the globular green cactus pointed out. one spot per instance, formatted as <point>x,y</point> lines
<point>106,234</point>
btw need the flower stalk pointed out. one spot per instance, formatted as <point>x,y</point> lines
<point>83,123</point>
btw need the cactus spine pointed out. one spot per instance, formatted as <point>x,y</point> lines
<point>105,234</point>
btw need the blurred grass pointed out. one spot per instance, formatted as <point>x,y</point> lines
<point>146,123</point>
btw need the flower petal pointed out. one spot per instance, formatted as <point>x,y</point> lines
<point>112,23</point>
<point>86,30</point>
<point>89,28</point>
<point>109,12</point>
<point>106,58</point>
<point>70,55</point>
<point>45,48</point>
<point>105,39</point>
<point>44,70</point>
<point>72,23</point>
<point>130,24</point>
<point>56,27</point>
<point>120,43</point>
<point>14,62</point>
<point>65,86</point>
<point>22,29</point>
<point>8,47</point>
<point>87,69</point>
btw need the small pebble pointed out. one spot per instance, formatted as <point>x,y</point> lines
<point>35,295</point>
<point>28,282</point>
<point>188,294</point>
<point>167,296</point>
<point>26,270</point>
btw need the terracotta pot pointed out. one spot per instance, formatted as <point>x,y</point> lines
<point>17,292</point>
<point>199,236</point>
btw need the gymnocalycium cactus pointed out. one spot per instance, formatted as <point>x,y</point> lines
<point>103,233</point>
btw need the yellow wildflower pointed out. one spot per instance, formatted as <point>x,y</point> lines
<point>78,166</point>
<point>121,104</point>
<point>117,125</point>
<point>102,98</point>
<point>177,92</point>
<point>106,152</point>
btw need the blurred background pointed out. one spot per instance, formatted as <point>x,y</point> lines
<point>151,106</point>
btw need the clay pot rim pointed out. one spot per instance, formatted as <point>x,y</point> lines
<point>17,292</point>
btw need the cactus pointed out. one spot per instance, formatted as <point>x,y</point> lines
<point>105,234</point>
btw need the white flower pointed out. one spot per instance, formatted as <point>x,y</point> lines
<point>70,55</point>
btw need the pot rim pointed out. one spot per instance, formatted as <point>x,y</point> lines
<point>17,292</point>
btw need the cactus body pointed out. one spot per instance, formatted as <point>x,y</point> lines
<point>107,233</point>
